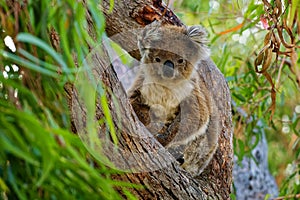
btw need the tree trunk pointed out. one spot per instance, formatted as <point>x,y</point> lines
<point>148,162</point>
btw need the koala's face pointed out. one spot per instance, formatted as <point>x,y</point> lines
<point>167,66</point>
<point>171,53</point>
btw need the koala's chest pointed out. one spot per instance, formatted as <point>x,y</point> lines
<point>167,99</point>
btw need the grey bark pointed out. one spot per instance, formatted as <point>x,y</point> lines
<point>154,167</point>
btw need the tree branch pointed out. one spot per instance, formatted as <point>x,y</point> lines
<point>150,164</point>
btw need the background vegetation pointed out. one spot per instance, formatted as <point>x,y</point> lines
<point>238,34</point>
<point>39,156</point>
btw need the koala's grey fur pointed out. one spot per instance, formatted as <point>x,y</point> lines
<point>168,86</point>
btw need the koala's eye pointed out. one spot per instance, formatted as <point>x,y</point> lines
<point>157,59</point>
<point>180,61</point>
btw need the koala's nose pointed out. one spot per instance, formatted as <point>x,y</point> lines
<point>168,68</point>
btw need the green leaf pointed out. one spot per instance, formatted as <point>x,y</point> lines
<point>239,97</point>
<point>129,195</point>
<point>29,65</point>
<point>26,37</point>
<point>106,112</point>
<point>9,146</point>
<point>3,186</point>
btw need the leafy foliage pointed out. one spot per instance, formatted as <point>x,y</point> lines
<point>39,156</point>
<point>256,46</point>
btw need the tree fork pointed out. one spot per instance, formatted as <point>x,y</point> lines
<point>170,182</point>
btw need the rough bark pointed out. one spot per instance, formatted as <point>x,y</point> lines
<point>154,167</point>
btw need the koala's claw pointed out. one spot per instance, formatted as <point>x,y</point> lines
<point>180,160</point>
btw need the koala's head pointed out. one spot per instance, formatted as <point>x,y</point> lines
<point>171,53</point>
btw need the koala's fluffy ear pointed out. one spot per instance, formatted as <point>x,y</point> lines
<point>148,34</point>
<point>199,35</point>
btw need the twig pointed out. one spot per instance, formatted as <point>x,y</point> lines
<point>279,72</point>
<point>287,197</point>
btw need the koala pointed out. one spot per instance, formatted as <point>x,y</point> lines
<point>168,88</point>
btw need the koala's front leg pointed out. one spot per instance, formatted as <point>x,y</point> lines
<point>197,138</point>
<point>199,152</point>
<point>169,131</point>
<point>191,121</point>
<point>194,118</point>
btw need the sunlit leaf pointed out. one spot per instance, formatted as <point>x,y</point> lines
<point>25,37</point>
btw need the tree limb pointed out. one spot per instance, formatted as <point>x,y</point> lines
<point>154,167</point>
